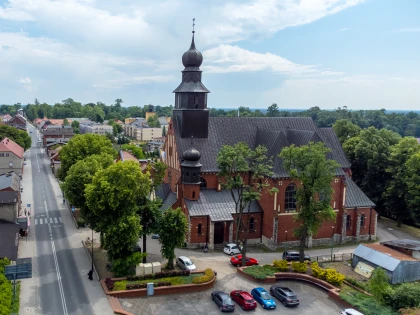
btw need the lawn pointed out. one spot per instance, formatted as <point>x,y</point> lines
<point>366,304</point>
<point>120,285</point>
<point>261,272</point>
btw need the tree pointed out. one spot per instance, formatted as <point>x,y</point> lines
<point>368,154</point>
<point>75,124</point>
<point>19,136</point>
<point>379,284</point>
<point>242,170</point>
<point>164,131</point>
<point>413,185</point>
<point>396,188</point>
<point>173,228</point>
<point>81,174</point>
<point>153,122</point>
<point>80,147</point>
<point>345,129</point>
<point>273,110</point>
<point>114,197</point>
<point>66,122</point>
<point>309,166</point>
<point>134,150</point>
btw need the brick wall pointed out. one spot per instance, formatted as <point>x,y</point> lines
<point>195,237</point>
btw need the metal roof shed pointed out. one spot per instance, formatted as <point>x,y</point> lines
<point>399,267</point>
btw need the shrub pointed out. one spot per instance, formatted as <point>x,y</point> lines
<point>260,272</point>
<point>300,267</point>
<point>163,284</point>
<point>120,285</point>
<point>208,276</point>
<point>281,264</point>
<point>109,284</point>
<point>366,304</point>
<point>334,277</point>
<point>133,286</point>
<point>360,284</point>
<point>410,311</point>
<point>379,284</point>
<point>159,275</point>
<point>406,295</point>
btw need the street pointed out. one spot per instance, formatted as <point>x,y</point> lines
<point>61,290</point>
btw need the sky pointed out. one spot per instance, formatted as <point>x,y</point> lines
<point>362,54</point>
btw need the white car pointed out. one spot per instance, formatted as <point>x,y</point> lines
<point>350,311</point>
<point>185,263</point>
<point>231,249</point>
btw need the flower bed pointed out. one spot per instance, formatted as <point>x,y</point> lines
<point>260,272</point>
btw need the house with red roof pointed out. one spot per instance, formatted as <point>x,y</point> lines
<point>18,121</point>
<point>6,118</point>
<point>11,157</point>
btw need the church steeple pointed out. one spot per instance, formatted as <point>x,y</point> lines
<point>191,95</point>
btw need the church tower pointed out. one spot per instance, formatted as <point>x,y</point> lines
<point>191,112</point>
<point>191,171</point>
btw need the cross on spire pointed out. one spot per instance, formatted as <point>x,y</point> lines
<point>193,25</point>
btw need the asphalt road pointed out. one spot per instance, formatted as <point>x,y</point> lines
<point>60,285</point>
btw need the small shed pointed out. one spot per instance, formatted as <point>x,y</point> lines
<point>399,267</point>
<point>405,246</point>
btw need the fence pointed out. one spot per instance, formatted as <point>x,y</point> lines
<point>335,257</point>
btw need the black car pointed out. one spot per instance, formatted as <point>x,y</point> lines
<point>294,256</point>
<point>285,295</point>
<point>223,301</point>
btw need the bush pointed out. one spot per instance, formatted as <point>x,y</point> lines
<point>366,304</point>
<point>120,285</point>
<point>406,295</point>
<point>334,277</point>
<point>379,284</point>
<point>360,284</point>
<point>281,264</point>
<point>410,311</point>
<point>208,276</point>
<point>109,284</point>
<point>159,275</point>
<point>260,272</point>
<point>300,267</point>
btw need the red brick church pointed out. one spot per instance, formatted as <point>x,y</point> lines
<point>192,183</point>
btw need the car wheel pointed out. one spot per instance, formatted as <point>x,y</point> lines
<point>231,254</point>
<point>243,307</point>
<point>212,297</point>
<point>263,305</point>
<point>221,308</point>
<point>284,303</point>
<point>239,265</point>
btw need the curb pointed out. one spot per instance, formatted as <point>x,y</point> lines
<point>87,252</point>
<point>116,306</point>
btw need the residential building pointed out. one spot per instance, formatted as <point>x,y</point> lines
<point>18,121</point>
<point>9,196</point>
<point>154,145</point>
<point>56,132</point>
<point>405,246</point>
<point>95,128</point>
<point>11,157</point>
<point>9,236</point>
<point>6,118</point>
<point>190,152</point>
<point>140,131</point>
<point>126,156</point>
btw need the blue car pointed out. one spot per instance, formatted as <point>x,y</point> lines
<point>261,296</point>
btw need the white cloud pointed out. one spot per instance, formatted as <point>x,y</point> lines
<point>25,80</point>
<point>126,81</point>
<point>343,29</point>
<point>409,30</point>
<point>227,58</point>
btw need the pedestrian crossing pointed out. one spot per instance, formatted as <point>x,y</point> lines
<point>41,221</point>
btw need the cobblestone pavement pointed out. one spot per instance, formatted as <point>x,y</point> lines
<point>313,300</point>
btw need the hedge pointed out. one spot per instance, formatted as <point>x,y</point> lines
<point>300,267</point>
<point>158,275</point>
<point>281,265</point>
<point>208,276</point>
<point>330,275</point>
<point>260,272</point>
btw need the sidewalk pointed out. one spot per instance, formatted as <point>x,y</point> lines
<point>29,297</point>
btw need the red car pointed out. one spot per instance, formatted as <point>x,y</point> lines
<point>244,299</point>
<point>237,261</point>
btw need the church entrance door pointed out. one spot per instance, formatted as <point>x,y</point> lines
<point>219,228</point>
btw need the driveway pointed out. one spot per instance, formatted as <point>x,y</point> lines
<point>312,299</point>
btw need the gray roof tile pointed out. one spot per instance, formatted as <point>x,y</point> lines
<point>8,247</point>
<point>355,197</point>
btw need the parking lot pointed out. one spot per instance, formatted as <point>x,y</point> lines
<point>312,299</point>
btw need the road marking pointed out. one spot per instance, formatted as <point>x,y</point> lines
<point>59,219</point>
<point>40,221</point>
<point>55,220</point>
<point>36,221</point>
<point>51,220</point>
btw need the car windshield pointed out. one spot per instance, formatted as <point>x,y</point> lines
<point>237,257</point>
<point>227,301</point>
<point>250,300</point>
<point>265,296</point>
<point>188,263</point>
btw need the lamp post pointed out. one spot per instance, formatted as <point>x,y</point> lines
<point>332,244</point>
<point>285,245</point>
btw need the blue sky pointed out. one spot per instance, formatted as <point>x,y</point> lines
<point>362,54</point>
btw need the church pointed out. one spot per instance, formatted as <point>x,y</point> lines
<point>192,182</point>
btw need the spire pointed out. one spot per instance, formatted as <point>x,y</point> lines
<point>193,31</point>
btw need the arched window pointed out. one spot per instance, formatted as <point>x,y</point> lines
<point>362,220</point>
<point>290,198</point>
<point>348,221</point>
<point>199,229</point>
<point>193,194</point>
<point>203,184</point>
<point>251,224</point>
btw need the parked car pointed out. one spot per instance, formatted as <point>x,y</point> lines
<point>185,263</point>
<point>223,301</point>
<point>350,311</point>
<point>294,256</point>
<point>285,295</point>
<point>244,299</point>
<point>231,249</point>
<point>237,261</point>
<point>155,236</point>
<point>261,296</point>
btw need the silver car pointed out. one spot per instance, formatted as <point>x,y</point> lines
<point>185,263</point>
<point>350,311</point>
<point>231,249</point>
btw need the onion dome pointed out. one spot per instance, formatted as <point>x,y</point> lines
<point>192,57</point>
<point>191,154</point>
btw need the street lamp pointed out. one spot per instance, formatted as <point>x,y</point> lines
<point>332,243</point>
<point>285,245</point>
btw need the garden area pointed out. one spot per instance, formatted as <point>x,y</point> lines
<point>373,297</point>
<point>7,304</point>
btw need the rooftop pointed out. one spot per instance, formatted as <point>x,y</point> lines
<point>8,237</point>
<point>355,197</point>
<point>405,243</point>
<point>9,180</point>
<point>7,145</point>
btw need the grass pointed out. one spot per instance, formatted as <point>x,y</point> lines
<point>366,304</point>
<point>172,280</point>
<point>15,304</point>
<point>261,272</point>
<point>411,230</point>
<point>336,245</point>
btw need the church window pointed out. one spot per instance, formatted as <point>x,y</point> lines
<point>203,183</point>
<point>252,224</point>
<point>362,220</point>
<point>199,229</point>
<point>348,221</point>
<point>193,194</point>
<point>290,198</point>
<point>170,151</point>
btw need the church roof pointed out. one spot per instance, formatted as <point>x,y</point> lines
<point>218,205</point>
<point>355,196</point>
<point>193,87</point>
<point>272,132</point>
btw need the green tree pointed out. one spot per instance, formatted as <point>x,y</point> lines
<point>273,111</point>
<point>379,284</point>
<point>153,122</point>
<point>134,150</point>
<point>413,185</point>
<point>345,129</point>
<point>242,171</point>
<point>19,136</point>
<point>173,228</point>
<point>368,154</point>
<point>66,122</point>
<point>308,165</point>
<point>114,197</point>
<point>80,147</point>
<point>75,124</point>
<point>79,175</point>
<point>164,131</point>
<point>397,186</point>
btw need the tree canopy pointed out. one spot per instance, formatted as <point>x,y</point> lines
<point>80,147</point>
<point>345,129</point>
<point>313,172</point>
<point>134,150</point>
<point>19,136</point>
